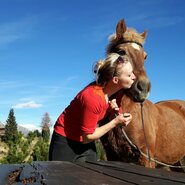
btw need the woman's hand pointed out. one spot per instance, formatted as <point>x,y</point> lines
<point>114,106</point>
<point>123,119</point>
<point>120,118</point>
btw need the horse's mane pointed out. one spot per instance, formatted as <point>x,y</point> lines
<point>130,35</point>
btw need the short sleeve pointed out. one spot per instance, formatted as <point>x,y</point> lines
<point>91,110</point>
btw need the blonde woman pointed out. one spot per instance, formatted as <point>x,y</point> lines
<point>76,128</point>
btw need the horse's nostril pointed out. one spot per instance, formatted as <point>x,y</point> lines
<point>143,86</point>
<point>140,86</point>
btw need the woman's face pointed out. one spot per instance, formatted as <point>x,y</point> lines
<point>126,77</point>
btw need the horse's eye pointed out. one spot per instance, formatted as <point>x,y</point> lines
<point>121,52</point>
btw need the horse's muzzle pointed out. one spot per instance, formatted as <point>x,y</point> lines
<point>139,90</point>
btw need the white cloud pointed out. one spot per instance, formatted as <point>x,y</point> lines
<point>30,104</point>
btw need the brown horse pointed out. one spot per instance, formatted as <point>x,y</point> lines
<point>156,132</point>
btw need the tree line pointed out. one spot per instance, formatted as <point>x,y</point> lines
<point>24,149</point>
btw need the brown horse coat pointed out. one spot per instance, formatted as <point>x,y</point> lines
<point>164,122</point>
<point>164,126</point>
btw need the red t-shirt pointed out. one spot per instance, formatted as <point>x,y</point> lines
<point>83,113</point>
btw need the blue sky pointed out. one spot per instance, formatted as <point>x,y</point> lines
<point>48,48</point>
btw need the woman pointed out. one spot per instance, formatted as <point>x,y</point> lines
<point>76,129</point>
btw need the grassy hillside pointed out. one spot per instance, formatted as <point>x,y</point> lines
<point>3,150</point>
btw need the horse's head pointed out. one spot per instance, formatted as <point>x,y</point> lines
<point>128,42</point>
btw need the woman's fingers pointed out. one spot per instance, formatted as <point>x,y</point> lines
<point>114,105</point>
<point>124,118</point>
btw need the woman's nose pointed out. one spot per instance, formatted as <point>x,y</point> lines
<point>133,76</point>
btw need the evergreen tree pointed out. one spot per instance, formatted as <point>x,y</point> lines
<point>11,132</point>
<point>40,151</point>
<point>46,123</point>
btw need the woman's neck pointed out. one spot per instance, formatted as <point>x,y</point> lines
<point>109,90</point>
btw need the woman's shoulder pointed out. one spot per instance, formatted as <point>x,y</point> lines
<point>92,92</point>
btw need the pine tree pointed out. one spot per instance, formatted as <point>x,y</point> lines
<point>11,131</point>
<point>46,123</point>
<point>40,151</point>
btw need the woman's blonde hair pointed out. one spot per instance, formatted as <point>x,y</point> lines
<point>106,69</point>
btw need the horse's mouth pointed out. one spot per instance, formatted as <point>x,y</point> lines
<point>140,98</point>
<point>137,96</point>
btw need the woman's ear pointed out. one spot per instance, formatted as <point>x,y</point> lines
<point>115,79</point>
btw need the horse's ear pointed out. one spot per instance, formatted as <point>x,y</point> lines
<point>120,29</point>
<point>144,34</point>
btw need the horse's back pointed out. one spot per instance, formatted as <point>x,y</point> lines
<point>175,102</point>
<point>177,106</point>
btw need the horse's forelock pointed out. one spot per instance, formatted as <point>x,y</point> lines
<point>131,35</point>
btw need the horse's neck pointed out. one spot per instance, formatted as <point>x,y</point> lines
<point>127,104</point>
